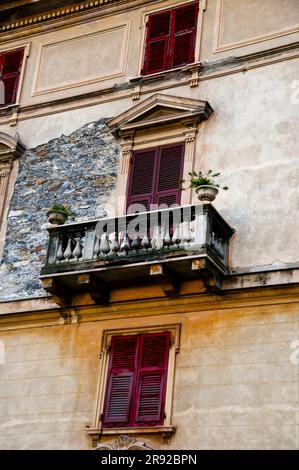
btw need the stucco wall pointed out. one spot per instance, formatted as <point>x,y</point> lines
<point>235,385</point>
<point>60,61</point>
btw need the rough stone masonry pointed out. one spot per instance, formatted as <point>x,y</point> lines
<point>79,170</point>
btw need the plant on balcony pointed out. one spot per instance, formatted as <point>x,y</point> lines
<point>205,185</point>
<point>59,213</point>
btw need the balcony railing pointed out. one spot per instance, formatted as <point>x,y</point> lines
<point>112,249</point>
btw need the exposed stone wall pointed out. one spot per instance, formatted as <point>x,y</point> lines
<point>80,170</point>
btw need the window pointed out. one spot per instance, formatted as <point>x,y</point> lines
<point>10,70</point>
<point>170,40</point>
<point>155,176</point>
<point>136,383</point>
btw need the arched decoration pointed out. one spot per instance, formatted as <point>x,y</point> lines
<point>124,442</point>
<point>10,146</point>
<point>10,150</point>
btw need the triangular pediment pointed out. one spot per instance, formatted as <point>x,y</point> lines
<point>160,110</point>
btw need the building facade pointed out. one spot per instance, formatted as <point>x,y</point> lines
<point>153,319</point>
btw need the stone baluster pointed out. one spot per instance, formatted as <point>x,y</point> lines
<point>176,238</point>
<point>221,250</point>
<point>135,245</point>
<point>68,251</point>
<point>115,244</point>
<point>146,244</point>
<point>166,236</point>
<point>125,246</point>
<point>78,248</point>
<point>216,243</point>
<point>104,244</point>
<point>59,254</point>
<point>96,248</point>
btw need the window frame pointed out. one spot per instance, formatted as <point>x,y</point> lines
<point>26,51</point>
<point>157,149</point>
<point>97,427</point>
<point>136,373</point>
<point>171,39</point>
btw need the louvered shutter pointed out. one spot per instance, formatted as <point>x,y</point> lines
<point>141,180</point>
<point>155,178</point>
<point>157,43</point>
<point>10,73</point>
<point>120,384</point>
<point>151,384</point>
<point>184,35</point>
<point>170,168</point>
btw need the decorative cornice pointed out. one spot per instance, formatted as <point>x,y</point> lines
<point>4,173</point>
<point>123,442</point>
<point>143,115</point>
<point>59,14</point>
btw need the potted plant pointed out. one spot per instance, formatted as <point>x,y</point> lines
<point>59,213</point>
<point>205,185</point>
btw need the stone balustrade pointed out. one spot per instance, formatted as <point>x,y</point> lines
<point>140,235</point>
<point>177,242</point>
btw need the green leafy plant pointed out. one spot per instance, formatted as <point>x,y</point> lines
<point>198,179</point>
<point>66,209</point>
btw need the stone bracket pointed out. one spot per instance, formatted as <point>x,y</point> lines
<point>98,290</point>
<point>208,274</point>
<point>125,437</point>
<point>165,278</point>
<point>60,293</point>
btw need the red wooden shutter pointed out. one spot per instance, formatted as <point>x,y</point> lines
<point>10,73</point>
<point>157,42</point>
<point>184,35</point>
<point>170,40</point>
<point>169,174</point>
<point>155,178</point>
<point>151,385</point>
<point>141,181</point>
<point>120,384</point>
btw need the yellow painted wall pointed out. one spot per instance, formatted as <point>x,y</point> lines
<point>235,385</point>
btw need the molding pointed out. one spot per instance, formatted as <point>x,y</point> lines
<point>57,14</point>
<point>13,109</point>
<point>126,441</point>
<point>247,42</point>
<point>178,109</point>
<point>123,442</point>
<point>175,331</point>
<point>42,312</point>
<point>118,73</point>
<point>64,16</point>
<point>10,150</point>
<point>171,5</point>
<point>153,115</point>
<point>172,79</point>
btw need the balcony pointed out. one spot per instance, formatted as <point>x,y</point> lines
<point>165,246</point>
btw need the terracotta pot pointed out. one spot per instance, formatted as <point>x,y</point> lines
<point>57,217</point>
<point>206,193</point>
